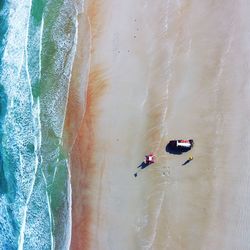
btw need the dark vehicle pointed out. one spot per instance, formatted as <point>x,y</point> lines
<point>179,146</point>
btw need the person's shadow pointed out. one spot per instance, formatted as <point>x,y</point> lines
<point>142,166</point>
<point>186,162</point>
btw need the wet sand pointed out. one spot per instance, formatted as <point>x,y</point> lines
<point>145,74</point>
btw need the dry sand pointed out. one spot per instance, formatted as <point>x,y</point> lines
<point>146,73</point>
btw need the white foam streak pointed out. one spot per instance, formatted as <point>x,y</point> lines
<point>145,99</point>
<point>156,220</point>
<point>71,66</point>
<point>68,239</point>
<point>17,80</point>
<point>163,120</point>
<point>22,231</point>
<point>37,148</point>
<point>88,74</point>
<point>166,25</point>
<point>223,59</point>
<point>14,50</point>
<point>49,211</point>
<point>40,47</point>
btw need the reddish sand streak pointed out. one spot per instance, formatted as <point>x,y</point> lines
<point>81,132</point>
<point>83,165</point>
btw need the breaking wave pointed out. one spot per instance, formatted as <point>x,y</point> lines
<point>37,46</point>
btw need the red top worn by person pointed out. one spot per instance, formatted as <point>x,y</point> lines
<point>150,158</point>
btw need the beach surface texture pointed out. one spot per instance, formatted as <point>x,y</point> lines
<point>146,73</point>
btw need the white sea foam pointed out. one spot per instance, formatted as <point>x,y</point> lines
<point>40,47</point>
<point>55,101</point>
<point>73,52</point>
<point>50,213</point>
<point>69,233</point>
<point>22,124</point>
<point>35,117</point>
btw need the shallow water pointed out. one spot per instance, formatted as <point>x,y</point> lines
<point>37,49</point>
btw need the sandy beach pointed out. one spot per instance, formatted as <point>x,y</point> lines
<point>146,73</point>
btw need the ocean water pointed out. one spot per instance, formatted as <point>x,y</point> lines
<point>37,46</point>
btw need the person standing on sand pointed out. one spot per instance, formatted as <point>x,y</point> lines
<point>149,159</point>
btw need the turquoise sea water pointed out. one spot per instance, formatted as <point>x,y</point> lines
<point>37,44</point>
